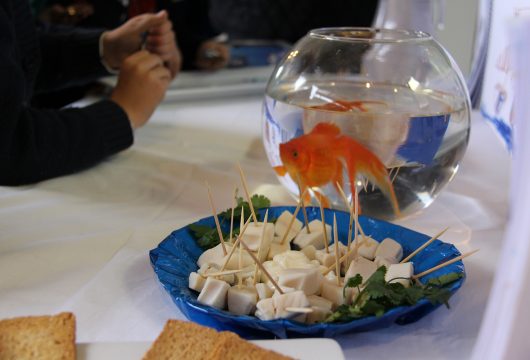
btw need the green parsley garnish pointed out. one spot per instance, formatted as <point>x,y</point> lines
<point>379,296</point>
<point>207,236</point>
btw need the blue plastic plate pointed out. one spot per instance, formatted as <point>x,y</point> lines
<point>176,256</point>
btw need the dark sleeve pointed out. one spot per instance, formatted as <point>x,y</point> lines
<point>40,144</point>
<point>192,26</point>
<point>70,56</point>
<point>37,145</point>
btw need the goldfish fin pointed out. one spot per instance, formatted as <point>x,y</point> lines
<point>323,199</point>
<point>280,170</point>
<point>326,128</point>
<point>361,160</point>
<point>378,175</point>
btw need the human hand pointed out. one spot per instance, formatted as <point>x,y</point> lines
<point>142,83</point>
<point>212,55</point>
<point>123,41</point>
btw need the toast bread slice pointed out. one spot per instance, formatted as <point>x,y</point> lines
<point>183,340</point>
<point>38,337</point>
<point>232,347</point>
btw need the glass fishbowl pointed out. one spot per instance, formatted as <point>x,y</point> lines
<point>384,114</point>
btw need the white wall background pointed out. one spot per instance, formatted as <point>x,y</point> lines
<point>459,32</point>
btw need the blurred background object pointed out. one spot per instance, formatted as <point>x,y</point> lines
<point>215,34</point>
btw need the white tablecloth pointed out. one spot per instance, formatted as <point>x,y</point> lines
<point>80,243</point>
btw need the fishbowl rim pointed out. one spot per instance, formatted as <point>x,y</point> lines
<point>407,36</point>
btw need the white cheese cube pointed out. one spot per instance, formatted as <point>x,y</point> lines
<point>196,282</point>
<point>233,263</point>
<point>276,249</point>
<point>315,237</point>
<point>318,315</point>
<point>307,280</point>
<point>402,271</point>
<point>265,309</point>
<point>367,248</point>
<point>264,291</point>
<point>242,300</point>
<point>214,293</point>
<point>361,266</point>
<point>324,258</point>
<point>253,236</point>
<point>293,299</point>
<point>316,225</point>
<point>281,225</point>
<point>285,289</point>
<point>323,270</point>
<point>213,255</point>
<point>304,239</point>
<point>320,302</point>
<point>315,263</point>
<point>273,268</point>
<point>333,292</point>
<point>380,261</point>
<point>209,267</point>
<point>293,260</point>
<point>331,277</point>
<point>389,249</point>
<point>310,252</point>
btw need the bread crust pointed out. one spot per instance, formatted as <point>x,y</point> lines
<point>38,337</point>
<point>183,340</point>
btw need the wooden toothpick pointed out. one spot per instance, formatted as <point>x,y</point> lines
<point>458,258</point>
<point>245,187</point>
<point>423,246</point>
<point>292,219</point>
<point>262,268</point>
<point>234,204</point>
<point>261,244</point>
<point>225,272</point>
<point>350,207</point>
<point>300,310</point>
<point>304,212</point>
<point>335,235</point>
<point>322,219</point>
<point>240,262</point>
<point>342,259</point>
<point>236,243</point>
<point>217,225</point>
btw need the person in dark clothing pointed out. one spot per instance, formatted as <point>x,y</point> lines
<point>190,21</point>
<point>287,20</point>
<point>38,144</point>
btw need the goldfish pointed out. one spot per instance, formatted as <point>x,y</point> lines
<point>316,159</point>
<point>344,105</point>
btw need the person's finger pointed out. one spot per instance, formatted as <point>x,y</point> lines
<point>150,62</point>
<point>162,73</point>
<point>160,29</point>
<point>146,22</point>
<point>173,62</point>
<point>137,57</point>
<point>159,40</point>
<point>163,51</point>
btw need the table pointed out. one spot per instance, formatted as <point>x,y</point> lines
<point>80,243</point>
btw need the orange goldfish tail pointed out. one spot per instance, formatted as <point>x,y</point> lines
<point>280,170</point>
<point>361,160</point>
<point>377,173</point>
<point>323,199</point>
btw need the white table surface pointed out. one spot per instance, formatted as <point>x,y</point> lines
<point>80,243</point>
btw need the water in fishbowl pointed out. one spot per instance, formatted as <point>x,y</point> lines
<point>397,146</point>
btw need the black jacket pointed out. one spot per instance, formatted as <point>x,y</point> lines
<point>37,144</point>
